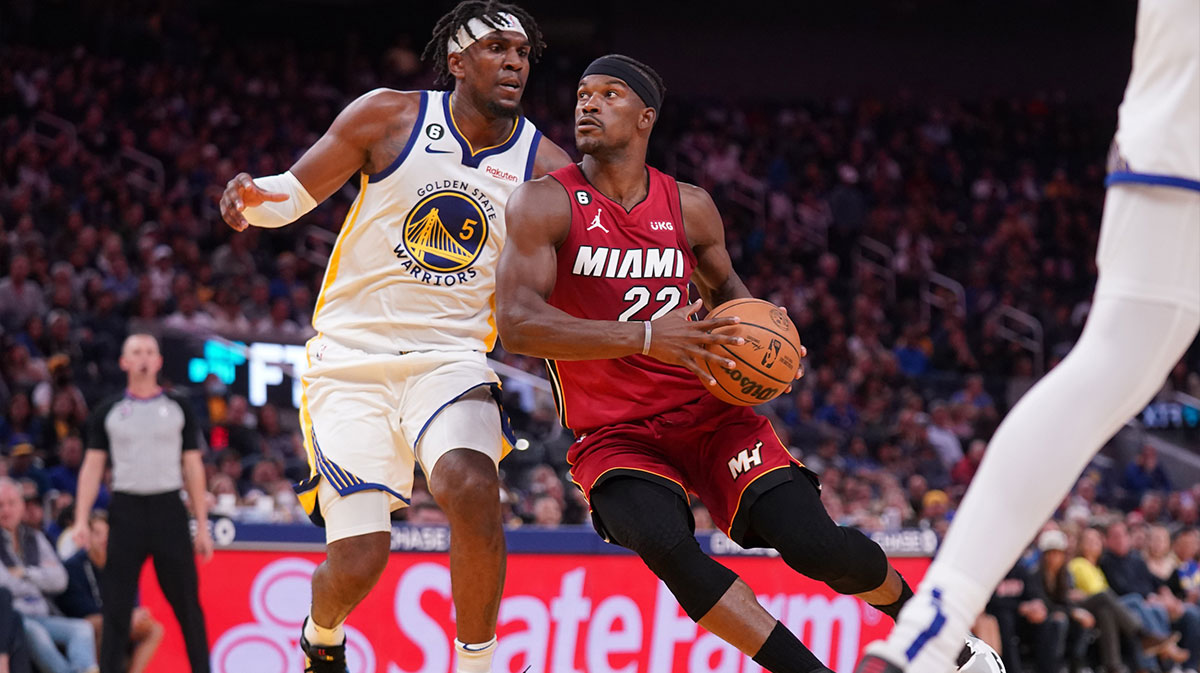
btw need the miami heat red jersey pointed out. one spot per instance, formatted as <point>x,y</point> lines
<point>621,265</point>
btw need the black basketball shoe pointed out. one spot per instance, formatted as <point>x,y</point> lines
<point>871,663</point>
<point>323,658</point>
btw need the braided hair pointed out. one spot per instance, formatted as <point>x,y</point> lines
<point>488,12</point>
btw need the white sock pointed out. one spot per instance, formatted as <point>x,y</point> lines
<point>319,635</point>
<point>1126,350</point>
<point>475,658</point>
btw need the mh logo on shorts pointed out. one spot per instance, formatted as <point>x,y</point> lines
<point>746,460</point>
<point>445,232</point>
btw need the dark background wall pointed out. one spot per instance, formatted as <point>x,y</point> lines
<point>780,50</point>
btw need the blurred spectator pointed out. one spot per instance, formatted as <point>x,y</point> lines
<point>81,599</point>
<point>702,517</point>
<point>189,317</point>
<point>1186,547</point>
<point>1144,474</point>
<point>64,477</point>
<point>1131,579</point>
<point>975,397</point>
<point>25,465</point>
<point>964,471</point>
<point>427,514</point>
<point>20,296</point>
<point>14,648</point>
<point>1115,620</point>
<point>31,572</point>
<point>547,512</point>
<point>941,435</point>
<point>1020,609</point>
<point>19,425</point>
<point>1072,621</point>
<point>935,505</point>
<point>1160,560</point>
<point>838,411</point>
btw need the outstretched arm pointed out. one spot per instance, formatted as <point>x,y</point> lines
<point>365,136</point>
<point>538,217</point>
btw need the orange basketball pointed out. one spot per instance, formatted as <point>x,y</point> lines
<point>766,364</point>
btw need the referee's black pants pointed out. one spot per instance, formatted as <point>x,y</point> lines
<point>140,526</point>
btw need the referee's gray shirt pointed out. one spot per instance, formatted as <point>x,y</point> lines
<point>145,439</point>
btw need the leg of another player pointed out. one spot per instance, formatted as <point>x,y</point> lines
<point>652,520</point>
<point>1127,348</point>
<point>350,570</point>
<point>465,484</point>
<point>791,518</point>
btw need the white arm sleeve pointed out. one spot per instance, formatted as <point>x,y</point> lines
<point>272,214</point>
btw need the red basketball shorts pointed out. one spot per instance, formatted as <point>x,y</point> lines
<point>724,454</point>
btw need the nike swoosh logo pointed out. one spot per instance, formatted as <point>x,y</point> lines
<point>473,649</point>
<point>429,149</point>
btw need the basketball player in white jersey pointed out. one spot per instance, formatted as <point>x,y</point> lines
<point>397,372</point>
<point>1145,314</point>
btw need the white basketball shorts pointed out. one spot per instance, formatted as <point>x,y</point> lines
<point>369,418</point>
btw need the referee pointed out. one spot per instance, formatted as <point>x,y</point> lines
<point>152,439</point>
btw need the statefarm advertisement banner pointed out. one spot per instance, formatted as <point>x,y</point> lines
<point>560,614</point>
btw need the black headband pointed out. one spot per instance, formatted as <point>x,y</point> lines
<point>632,76</point>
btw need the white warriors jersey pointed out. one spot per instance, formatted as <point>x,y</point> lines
<point>414,267</point>
<point>1158,131</point>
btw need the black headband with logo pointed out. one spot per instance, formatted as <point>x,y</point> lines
<point>632,76</point>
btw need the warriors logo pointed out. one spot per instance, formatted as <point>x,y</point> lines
<point>445,232</point>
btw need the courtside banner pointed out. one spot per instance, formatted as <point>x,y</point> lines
<point>561,613</point>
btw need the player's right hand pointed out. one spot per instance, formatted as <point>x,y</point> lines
<point>677,340</point>
<point>241,193</point>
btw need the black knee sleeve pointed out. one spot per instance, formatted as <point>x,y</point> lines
<point>664,540</point>
<point>791,518</point>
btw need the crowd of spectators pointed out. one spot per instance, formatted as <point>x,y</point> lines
<point>1124,596</point>
<point>111,162</point>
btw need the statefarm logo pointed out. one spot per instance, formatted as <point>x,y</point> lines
<point>585,625</point>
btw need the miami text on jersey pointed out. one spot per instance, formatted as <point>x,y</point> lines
<point>602,262</point>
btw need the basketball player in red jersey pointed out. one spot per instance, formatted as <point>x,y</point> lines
<point>594,278</point>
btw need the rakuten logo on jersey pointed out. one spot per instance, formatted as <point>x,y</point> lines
<point>501,175</point>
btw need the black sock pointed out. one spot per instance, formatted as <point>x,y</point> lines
<point>784,653</point>
<point>893,609</point>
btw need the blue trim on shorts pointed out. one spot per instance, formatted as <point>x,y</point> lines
<point>494,388</point>
<point>373,486</point>
<point>1129,177</point>
<point>342,480</point>
<point>307,485</point>
<point>412,140</point>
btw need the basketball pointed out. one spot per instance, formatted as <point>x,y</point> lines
<point>767,362</point>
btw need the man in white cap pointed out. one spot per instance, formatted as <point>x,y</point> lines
<point>397,373</point>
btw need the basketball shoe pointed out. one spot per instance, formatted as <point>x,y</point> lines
<point>323,658</point>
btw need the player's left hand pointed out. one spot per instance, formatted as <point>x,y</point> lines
<point>204,544</point>
<point>803,354</point>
